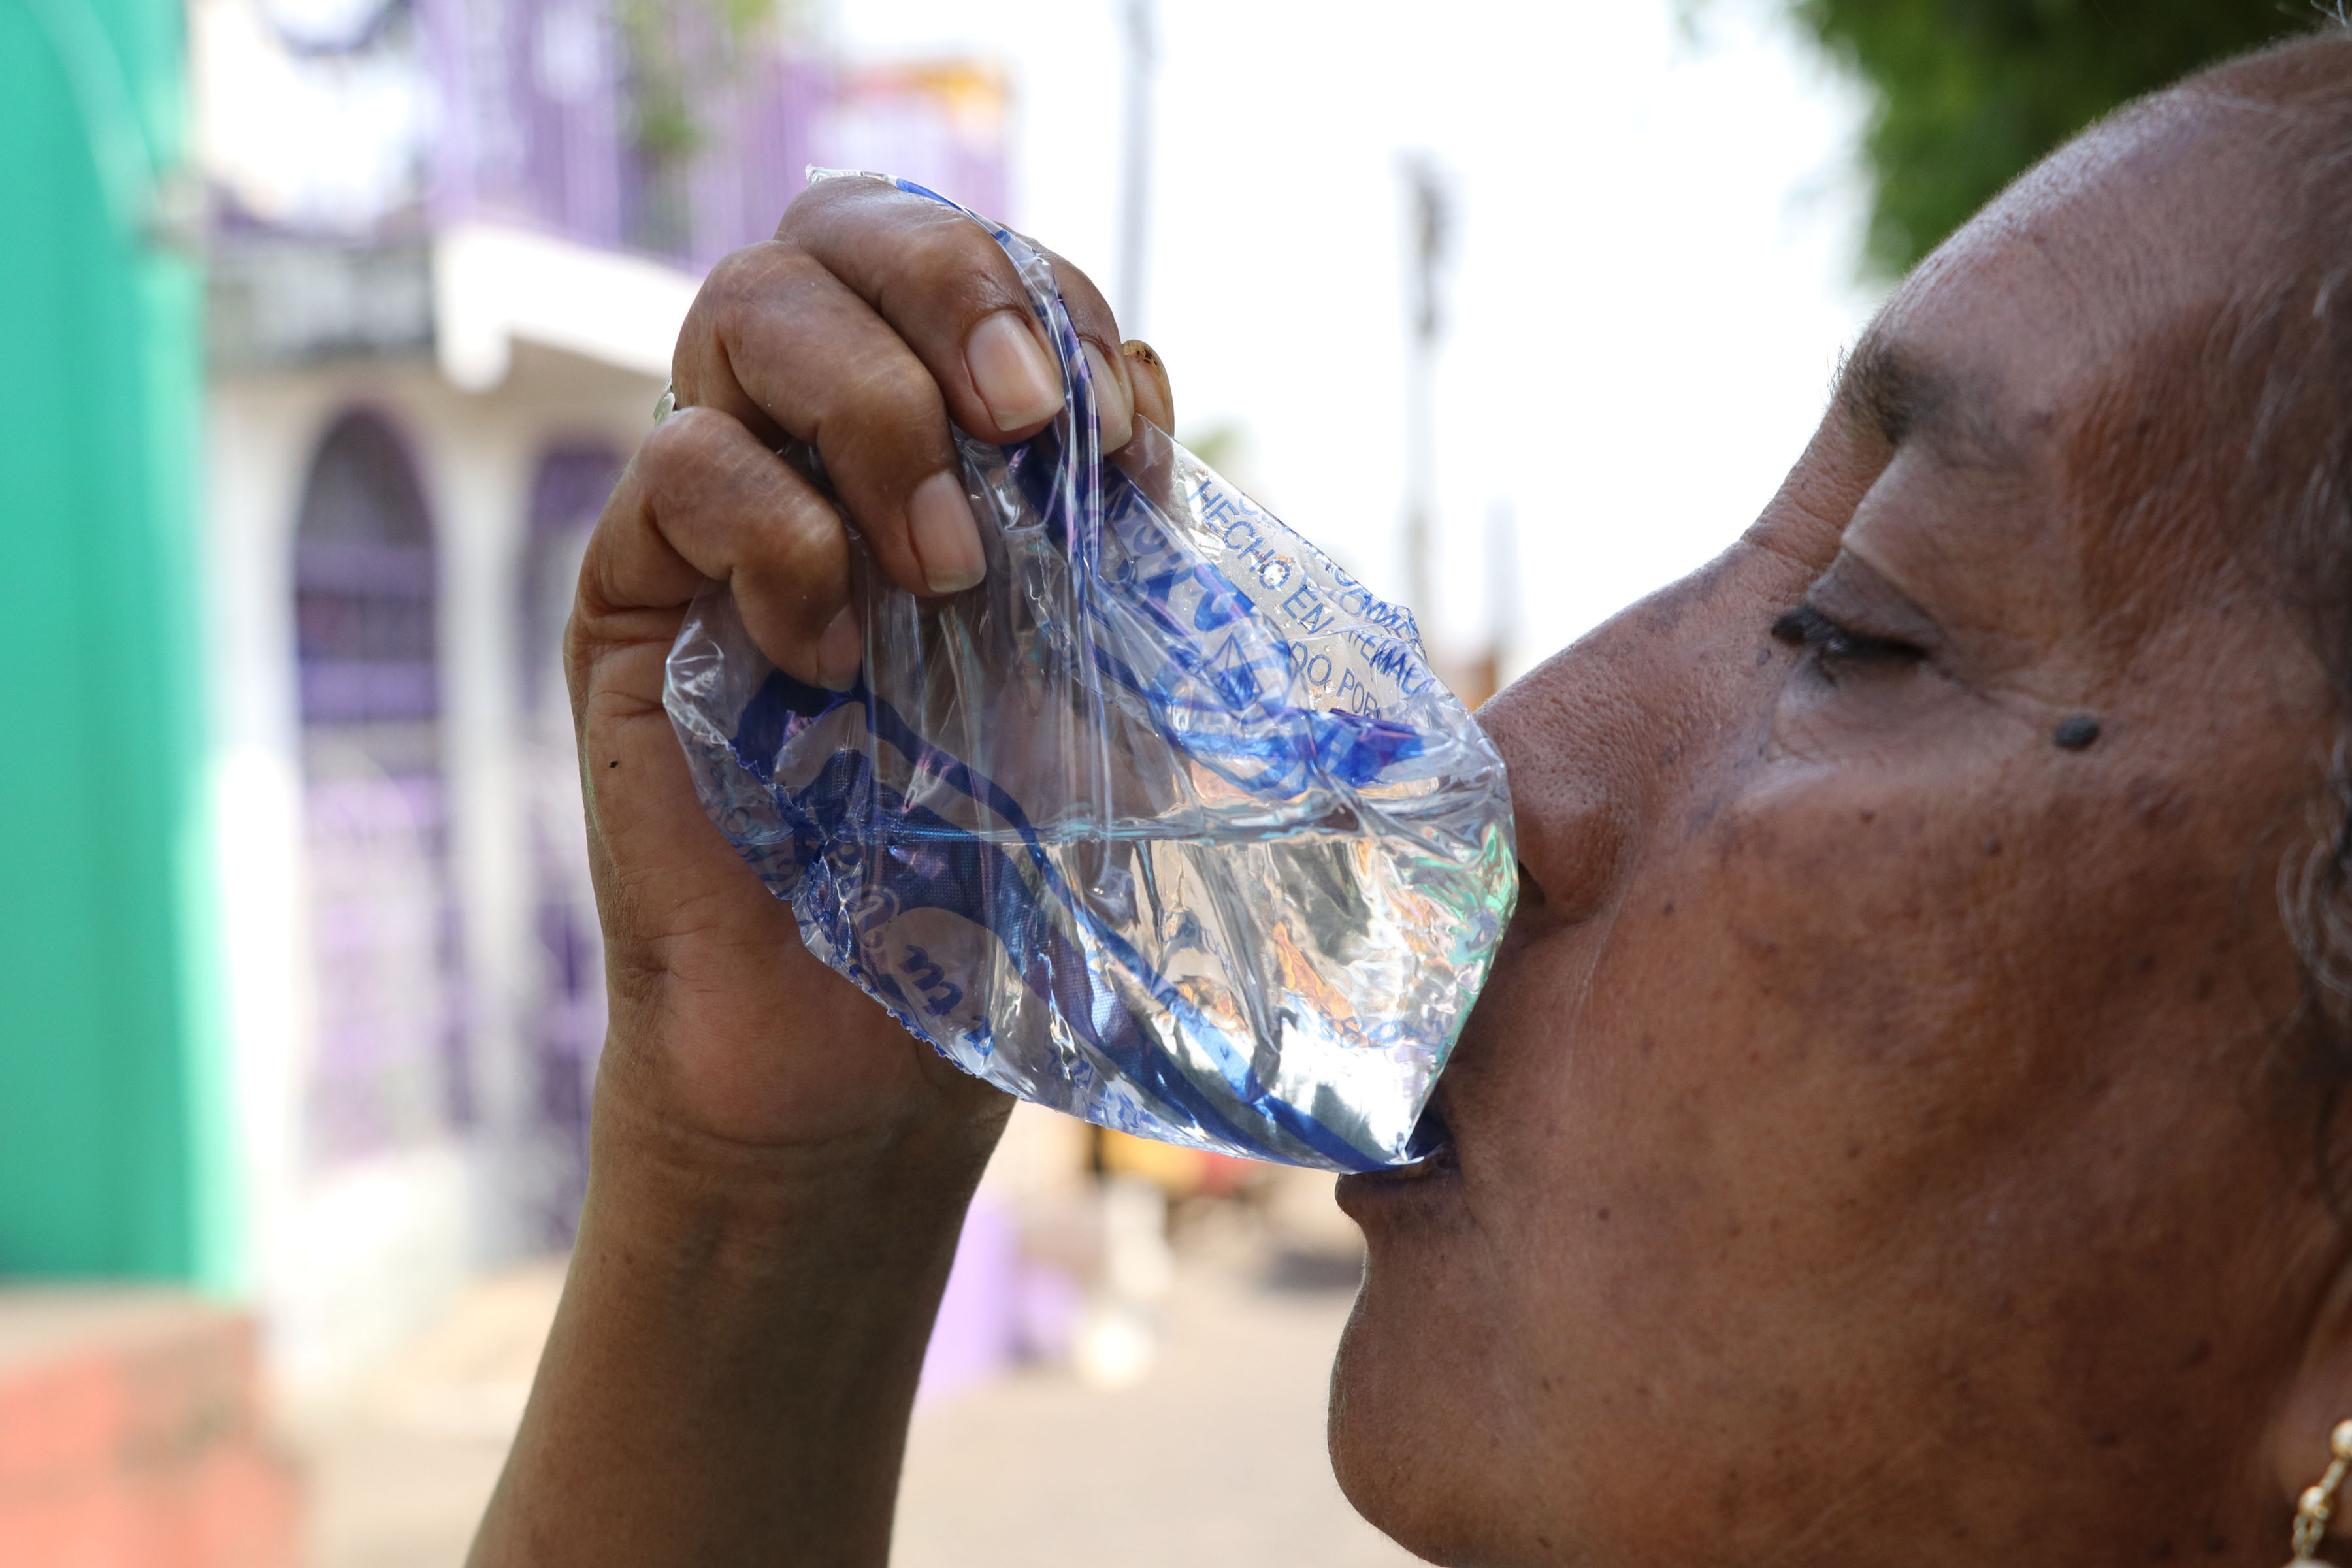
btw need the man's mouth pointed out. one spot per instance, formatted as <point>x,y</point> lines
<point>1438,1162</point>
<point>1372,1192</point>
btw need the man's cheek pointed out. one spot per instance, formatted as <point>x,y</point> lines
<point>1834,933</point>
<point>1522,1036</point>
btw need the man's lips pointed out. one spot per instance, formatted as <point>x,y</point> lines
<point>1437,1162</point>
<point>1424,1185</point>
<point>1437,1173</point>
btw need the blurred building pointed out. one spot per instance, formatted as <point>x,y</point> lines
<point>332,326</point>
<point>451,245</point>
<point>329,325</point>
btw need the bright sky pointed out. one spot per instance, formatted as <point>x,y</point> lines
<point>1656,243</point>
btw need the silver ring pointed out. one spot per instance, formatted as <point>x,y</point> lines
<point>666,405</point>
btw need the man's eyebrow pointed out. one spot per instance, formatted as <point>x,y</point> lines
<point>1885,388</point>
<point>1889,389</point>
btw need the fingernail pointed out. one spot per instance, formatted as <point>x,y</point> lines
<point>1013,374</point>
<point>1114,410</point>
<point>1147,377</point>
<point>947,540</point>
<point>840,651</point>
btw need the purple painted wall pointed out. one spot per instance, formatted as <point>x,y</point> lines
<point>390,1066</point>
<point>552,116</point>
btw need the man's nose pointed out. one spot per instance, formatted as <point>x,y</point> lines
<point>1566,731</point>
<point>1601,739</point>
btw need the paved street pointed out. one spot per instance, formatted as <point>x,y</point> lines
<point>1216,1456</point>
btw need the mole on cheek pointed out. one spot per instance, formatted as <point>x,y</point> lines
<point>2077,733</point>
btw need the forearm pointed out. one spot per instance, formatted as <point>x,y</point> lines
<point>731,1367</point>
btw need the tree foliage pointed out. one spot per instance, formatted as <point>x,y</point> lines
<point>1971,92</point>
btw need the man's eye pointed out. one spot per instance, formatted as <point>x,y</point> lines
<point>1832,647</point>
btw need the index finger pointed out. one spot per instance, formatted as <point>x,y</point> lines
<point>950,291</point>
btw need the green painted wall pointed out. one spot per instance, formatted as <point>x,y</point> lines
<point>113,1087</point>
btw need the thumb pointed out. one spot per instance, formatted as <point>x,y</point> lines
<point>1154,399</point>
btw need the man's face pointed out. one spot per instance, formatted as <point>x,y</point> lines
<point>1862,1146</point>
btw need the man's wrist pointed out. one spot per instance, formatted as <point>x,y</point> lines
<point>893,1184</point>
<point>666,1160</point>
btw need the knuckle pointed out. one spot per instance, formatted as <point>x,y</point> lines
<point>885,395</point>
<point>589,631</point>
<point>905,249</point>
<point>791,595</point>
<point>831,209</point>
<point>741,274</point>
<point>626,502</point>
<point>817,203</point>
<point>679,451</point>
<point>950,250</point>
<point>813,566</point>
<point>797,211</point>
<point>1070,277</point>
<point>710,473</point>
<point>595,591</point>
<point>1086,301</point>
<point>581,648</point>
<point>957,271</point>
<point>742,282</point>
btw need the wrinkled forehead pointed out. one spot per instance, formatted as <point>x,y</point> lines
<point>2137,227</point>
<point>2055,349</point>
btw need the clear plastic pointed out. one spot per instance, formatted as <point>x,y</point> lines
<point>1166,824</point>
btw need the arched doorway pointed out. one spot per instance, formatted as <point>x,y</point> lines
<point>567,1031</point>
<point>387,1067</point>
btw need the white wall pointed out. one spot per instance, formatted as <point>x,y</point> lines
<point>353,1258</point>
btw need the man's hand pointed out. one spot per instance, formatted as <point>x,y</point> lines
<point>872,319</point>
<point>778,1170</point>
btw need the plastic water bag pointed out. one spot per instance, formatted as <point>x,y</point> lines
<point>1166,823</point>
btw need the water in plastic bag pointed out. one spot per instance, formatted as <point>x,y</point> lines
<point>1166,823</point>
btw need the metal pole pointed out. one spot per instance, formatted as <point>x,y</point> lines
<point>1139,33</point>
<point>1502,579</point>
<point>1431,217</point>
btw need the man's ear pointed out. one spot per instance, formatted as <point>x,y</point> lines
<point>2317,1399</point>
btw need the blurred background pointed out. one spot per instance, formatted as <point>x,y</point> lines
<point>327,326</point>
